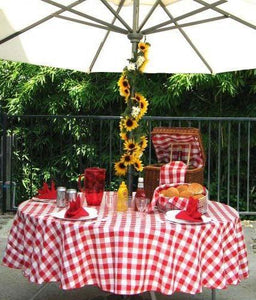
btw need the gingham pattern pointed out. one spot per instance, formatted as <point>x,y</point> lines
<point>127,254</point>
<point>173,172</point>
<point>162,144</point>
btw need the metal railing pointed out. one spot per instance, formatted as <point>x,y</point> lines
<point>62,147</point>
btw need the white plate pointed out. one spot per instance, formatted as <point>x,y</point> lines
<point>93,213</point>
<point>171,216</point>
<point>42,200</point>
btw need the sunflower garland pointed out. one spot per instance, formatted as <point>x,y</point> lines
<point>134,142</point>
<point>131,146</point>
<point>130,123</point>
<point>120,168</point>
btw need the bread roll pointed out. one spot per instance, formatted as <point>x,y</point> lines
<point>195,188</point>
<point>172,192</point>
<point>199,196</point>
<point>164,193</point>
<point>185,194</point>
<point>182,187</point>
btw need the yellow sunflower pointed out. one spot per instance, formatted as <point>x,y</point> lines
<point>138,152</point>
<point>138,165</point>
<point>123,82</point>
<point>120,168</point>
<point>121,124</point>
<point>146,54</point>
<point>143,104</point>
<point>143,66</point>
<point>138,97</point>
<point>124,92</point>
<point>130,124</point>
<point>124,136</point>
<point>130,145</point>
<point>143,47</point>
<point>127,98</point>
<point>143,142</point>
<point>128,159</point>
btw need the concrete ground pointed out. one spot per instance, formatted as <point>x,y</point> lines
<point>13,286</point>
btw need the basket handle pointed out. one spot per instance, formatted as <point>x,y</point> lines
<point>189,151</point>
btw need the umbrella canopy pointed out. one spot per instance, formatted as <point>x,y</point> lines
<point>186,36</point>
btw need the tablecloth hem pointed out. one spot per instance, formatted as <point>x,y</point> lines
<point>148,289</point>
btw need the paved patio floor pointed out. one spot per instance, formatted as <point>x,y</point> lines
<point>13,286</point>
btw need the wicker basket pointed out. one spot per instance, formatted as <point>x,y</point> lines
<point>170,203</point>
<point>193,174</point>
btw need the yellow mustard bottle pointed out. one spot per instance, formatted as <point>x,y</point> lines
<point>122,197</point>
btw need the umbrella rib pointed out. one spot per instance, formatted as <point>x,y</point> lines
<point>223,12</point>
<point>90,24</point>
<point>76,12</point>
<point>149,15</point>
<point>191,24</point>
<point>105,38</point>
<point>115,13</point>
<point>31,26</point>
<point>188,40</point>
<point>189,14</point>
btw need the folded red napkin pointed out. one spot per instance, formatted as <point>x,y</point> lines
<point>46,193</point>
<point>75,210</point>
<point>191,213</point>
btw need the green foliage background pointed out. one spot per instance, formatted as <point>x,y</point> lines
<point>29,89</point>
<point>35,90</point>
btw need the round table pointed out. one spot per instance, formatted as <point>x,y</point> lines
<point>123,253</point>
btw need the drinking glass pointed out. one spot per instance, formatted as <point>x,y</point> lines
<point>141,204</point>
<point>82,198</point>
<point>111,198</point>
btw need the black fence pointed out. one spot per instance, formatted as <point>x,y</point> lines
<point>37,148</point>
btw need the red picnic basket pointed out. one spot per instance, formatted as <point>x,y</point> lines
<point>176,143</point>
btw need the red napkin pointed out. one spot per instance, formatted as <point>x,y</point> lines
<point>191,213</point>
<point>75,210</point>
<point>46,193</point>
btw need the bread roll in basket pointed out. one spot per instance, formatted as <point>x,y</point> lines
<point>175,196</point>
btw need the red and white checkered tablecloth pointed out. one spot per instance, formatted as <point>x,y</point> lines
<point>126,254</point>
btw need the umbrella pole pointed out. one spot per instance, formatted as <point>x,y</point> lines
<point>134,38</point>
<point>130,181</point>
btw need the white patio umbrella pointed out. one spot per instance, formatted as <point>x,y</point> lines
<point>186,36</point>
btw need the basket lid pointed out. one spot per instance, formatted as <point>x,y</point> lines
<point>164,138</point>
